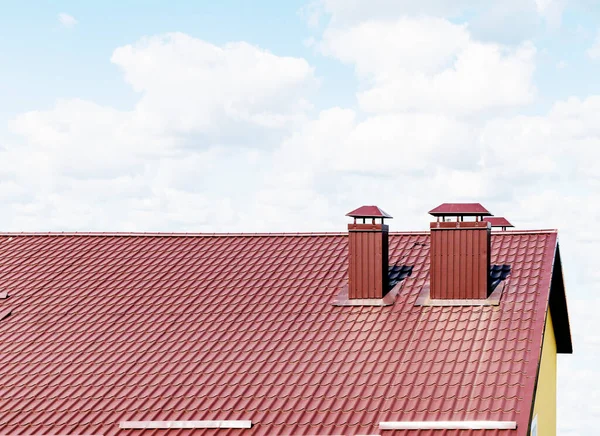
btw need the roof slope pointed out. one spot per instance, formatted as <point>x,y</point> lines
<point>112,328</point>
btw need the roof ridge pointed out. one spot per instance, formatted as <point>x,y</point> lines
<point>240,234</point>
<point>168,234</point>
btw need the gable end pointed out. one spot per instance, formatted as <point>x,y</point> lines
<point>558,307</point>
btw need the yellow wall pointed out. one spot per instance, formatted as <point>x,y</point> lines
<point>545,396</point>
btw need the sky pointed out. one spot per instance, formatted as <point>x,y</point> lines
<point>275,116</point>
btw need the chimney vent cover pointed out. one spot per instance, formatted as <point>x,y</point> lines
<point>369,212</point>
<point>498,221</point>
<point>460,209</point>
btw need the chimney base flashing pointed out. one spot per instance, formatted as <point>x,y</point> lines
<point>493,300</point>
<point>344,300</point>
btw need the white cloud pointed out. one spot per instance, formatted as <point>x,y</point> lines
<point>189,85</point>
<point>579,374</point>
<point>382,144</point>
<point>379,49</point>
<point>431,64</point>
<point>510,161</point>
<point>67,20</point>
<point>203,120</point>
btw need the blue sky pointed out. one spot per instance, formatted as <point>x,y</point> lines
<point>285,115</point>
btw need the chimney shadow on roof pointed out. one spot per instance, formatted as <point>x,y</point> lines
<point>498,273</point>
<point>397,273</point>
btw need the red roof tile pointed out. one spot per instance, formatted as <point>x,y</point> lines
<point>203,327</point>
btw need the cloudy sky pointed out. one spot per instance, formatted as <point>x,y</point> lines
<point>283,116</point>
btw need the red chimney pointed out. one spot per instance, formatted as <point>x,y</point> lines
<point>367,253</point>
<point>460,252</point>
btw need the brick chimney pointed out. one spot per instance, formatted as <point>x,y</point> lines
<point>460,252</point>
<point>367,253</point>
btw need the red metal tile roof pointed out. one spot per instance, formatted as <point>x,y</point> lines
<point>369,212</point>
<point>459,209</point>
<point>203,327</point>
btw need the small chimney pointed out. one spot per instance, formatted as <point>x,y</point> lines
<point>367,253</point>
<point>460,252</point>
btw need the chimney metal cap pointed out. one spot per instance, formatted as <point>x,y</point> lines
<point>369,212</point>
<point>498,221</point>
<point>460,209</point>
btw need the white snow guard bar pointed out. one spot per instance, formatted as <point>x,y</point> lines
<point>448,425</point>
<point>183,424</point>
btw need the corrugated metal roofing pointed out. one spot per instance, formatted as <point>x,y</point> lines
<point>106,329</point>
